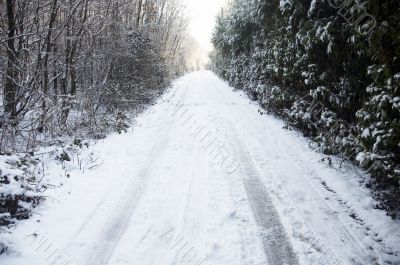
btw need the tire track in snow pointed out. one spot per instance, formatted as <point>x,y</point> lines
<point>194,210</point>
<point>189,227</point>
<point>276,243</point>
<point>109,238</point>
<point>253,126</point>
<point>101,251</point>
<point>363,255</point>
<point>168,100</point>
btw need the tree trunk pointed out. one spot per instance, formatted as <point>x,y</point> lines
<point>10,86</point>
<point>139,13</point>
<point>47,46</point>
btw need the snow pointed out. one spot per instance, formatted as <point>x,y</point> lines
<point>7,169</point>
<point>312,7</point>
<point>366,133</point>
<point>157,195</point>
<point>285,4</point>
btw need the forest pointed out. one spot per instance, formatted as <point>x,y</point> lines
<point>330,68</point>
<point>70,67</point>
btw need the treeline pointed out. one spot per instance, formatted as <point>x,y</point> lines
<point>68,66</point>
<point>329,67</point>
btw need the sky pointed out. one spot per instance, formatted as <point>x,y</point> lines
<point>202,14</point>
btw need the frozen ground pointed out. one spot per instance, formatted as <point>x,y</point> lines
<point>202,178</point>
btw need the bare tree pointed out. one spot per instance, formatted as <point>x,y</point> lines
<point>10,86</point>
<point>69,65</point>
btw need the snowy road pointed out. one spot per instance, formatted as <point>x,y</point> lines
<point>204,179</point>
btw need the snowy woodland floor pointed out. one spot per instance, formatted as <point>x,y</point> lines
<point>203,178</point>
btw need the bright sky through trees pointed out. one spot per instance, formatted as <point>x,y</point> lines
<point>202,15</point>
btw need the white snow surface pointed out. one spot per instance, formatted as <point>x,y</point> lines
<point>203,178</point>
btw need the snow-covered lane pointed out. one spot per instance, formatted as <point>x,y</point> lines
<point>203,178</point>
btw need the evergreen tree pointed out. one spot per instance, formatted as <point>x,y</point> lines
<point>330,68</point>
